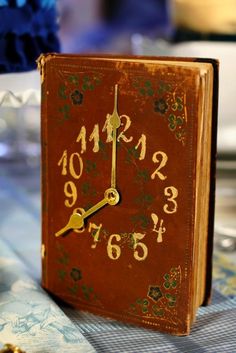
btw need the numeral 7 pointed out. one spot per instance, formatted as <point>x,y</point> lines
<point>95,231</point>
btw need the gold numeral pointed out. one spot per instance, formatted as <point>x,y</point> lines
<point>95,231</point>
<point>63,162</point>
<point>70,192</point>
<point>95,137</point>
<point>72,168</point>
<point>137,243</point>
<point>82,137</point>
<point>162,164</point>
<point>160,230</point>
<point>108,128</point>
<point>127,125</point>
<point>142,142</point>
<point>113,250</point>
<point>171,192</point>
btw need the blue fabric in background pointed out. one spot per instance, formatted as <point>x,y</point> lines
<point>142,15</point>
<point>123,18</point>
<point>27,29</point>
<point>20,3</point>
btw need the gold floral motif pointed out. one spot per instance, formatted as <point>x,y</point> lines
<point>161,300</point>
<point>169,103</point>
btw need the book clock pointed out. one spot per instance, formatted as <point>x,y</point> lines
<point>128,150</point>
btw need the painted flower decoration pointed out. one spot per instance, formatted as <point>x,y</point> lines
<point>75,274</point>
<point>170,282</point>
<point>139,219</point>
<point>178,104</point>
<point>164,87</point>
<point>147,89</point>
<point>175,121</point>
<point>180,135</point>
<point>171,299</point>
<point>157,311</point>
<point>77,97</point>
<point>144,303</point>
<point>160,106</point>
<point>74,79</point>
<point>87,84</point>
<point>91,167</point>
<point>87,291</point>
<point>154,293</point>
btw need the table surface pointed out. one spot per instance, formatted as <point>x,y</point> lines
<point>20,234</point>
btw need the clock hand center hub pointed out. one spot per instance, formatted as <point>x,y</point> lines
<point>112,196</point>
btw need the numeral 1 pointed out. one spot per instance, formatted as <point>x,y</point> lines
<point>82,137</point>
<point>95,137</point>
<point>142,143</point>
<point>108,128</point>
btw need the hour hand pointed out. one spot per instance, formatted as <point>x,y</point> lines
<point>76,221</point>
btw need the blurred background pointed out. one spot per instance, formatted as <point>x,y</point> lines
<point>198,28</point>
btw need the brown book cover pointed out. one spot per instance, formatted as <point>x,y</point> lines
<point>128,167</point>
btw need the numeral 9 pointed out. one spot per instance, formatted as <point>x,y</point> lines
<point>70,192</point>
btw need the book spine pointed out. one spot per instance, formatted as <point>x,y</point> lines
<point>44,171</point>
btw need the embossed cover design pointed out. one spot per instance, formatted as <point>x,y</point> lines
<point>122,150</point>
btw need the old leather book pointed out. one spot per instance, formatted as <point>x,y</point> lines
<point>128,167</point>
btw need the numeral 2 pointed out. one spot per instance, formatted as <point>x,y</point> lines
<point>162,162</point>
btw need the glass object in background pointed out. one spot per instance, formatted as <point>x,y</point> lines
<point>27,29</point>
<point>19,133</point>
<point>20,116</point>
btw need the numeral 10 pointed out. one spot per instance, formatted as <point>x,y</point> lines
<point>72,165</point>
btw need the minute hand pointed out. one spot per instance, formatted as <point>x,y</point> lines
<point>115,123</point>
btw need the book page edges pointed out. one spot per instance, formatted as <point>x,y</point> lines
<point>203,178</point>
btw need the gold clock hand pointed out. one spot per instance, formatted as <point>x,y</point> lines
<point>76,221</point>
<point>115,123</point>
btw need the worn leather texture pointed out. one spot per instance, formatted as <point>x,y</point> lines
<point>132,261</point>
